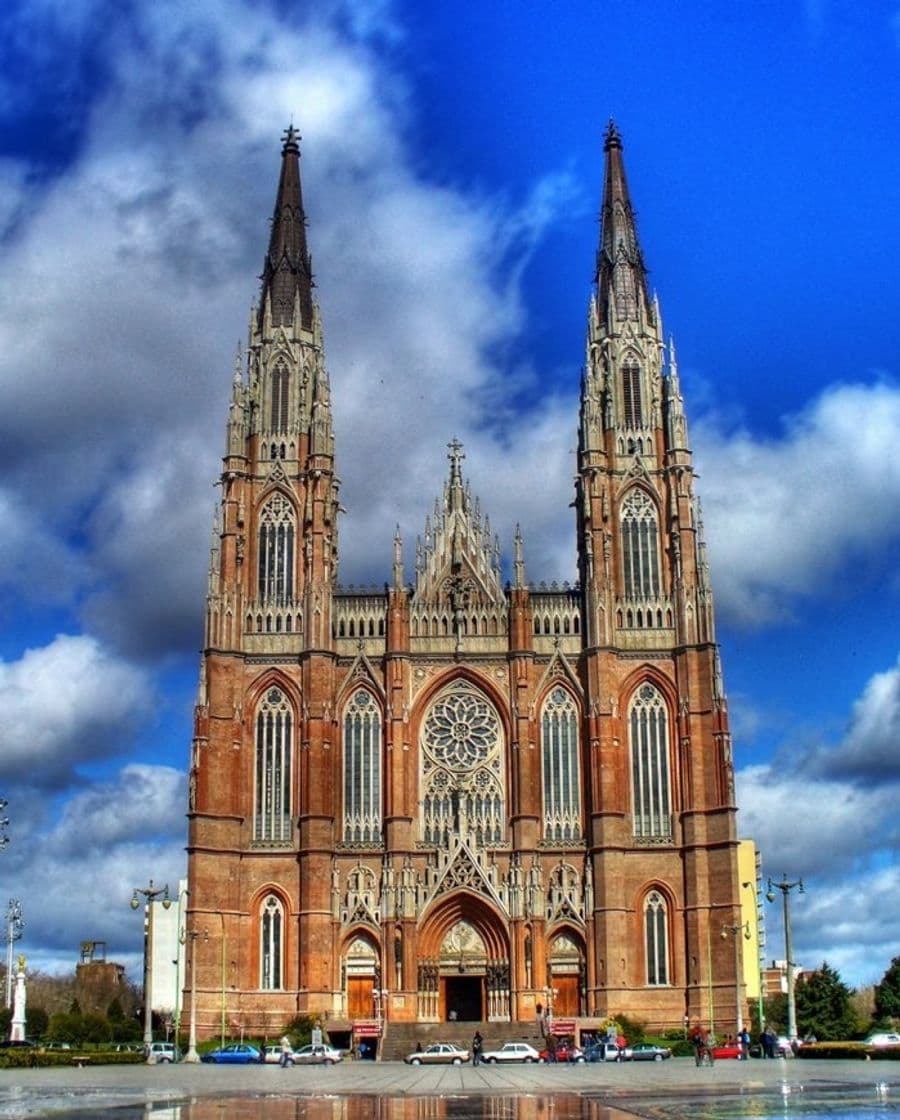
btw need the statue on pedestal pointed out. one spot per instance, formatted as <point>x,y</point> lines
<point>17,1026</point>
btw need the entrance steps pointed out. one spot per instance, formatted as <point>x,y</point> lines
<point>400,1039</point>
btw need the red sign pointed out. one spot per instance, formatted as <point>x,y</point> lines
<point>562,1026</point>
<point>367,1030</point>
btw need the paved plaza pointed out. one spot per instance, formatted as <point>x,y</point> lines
<point>662,1090</point>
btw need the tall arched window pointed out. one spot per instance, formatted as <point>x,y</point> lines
<point>274,741</point>
<point>656,938</point>
<point>362,770</point>
<point>276,552</point>
<point>650,787</point>
<point>559,749</point>
<point>279,413</point>
<point>632,410</point>
<point>640,550</point>
<point>462,776</point>
<point>271,944</point>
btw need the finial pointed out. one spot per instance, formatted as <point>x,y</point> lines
<point>238,374</point>
<point>290,140</point>
<point>519,558</point>
<point>456,456</point>
<point>613,138</point>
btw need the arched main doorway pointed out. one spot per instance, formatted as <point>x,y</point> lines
<point>464,969</point>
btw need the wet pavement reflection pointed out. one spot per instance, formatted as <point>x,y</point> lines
<point>840,1105</point>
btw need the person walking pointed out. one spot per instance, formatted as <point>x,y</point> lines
<point>477,1047</point>
<point>287,1052</point>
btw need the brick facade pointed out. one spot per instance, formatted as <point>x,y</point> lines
<point>390,812</point>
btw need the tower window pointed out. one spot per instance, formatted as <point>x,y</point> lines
<point>640,550</point>
<point>650,785</point>
<point>272,802</point>
<point>656,939</point>
<point>362,770</point>
<point>271,955</point>
<point>559,749</point>
<point>632,410</point>
<point>276,552</point>
<point>280,389</point>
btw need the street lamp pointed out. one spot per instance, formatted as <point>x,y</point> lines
<point>785,887</point>
<point>759,948</point>
<point>150,894</point>
<point>192,936</point>
<point>14,927</point>
<point>735,932</point>
<point>4,824</point>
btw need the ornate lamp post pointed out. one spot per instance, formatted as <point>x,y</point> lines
<point>14,927</point>
<point>761,1018</point>
<point>192,936</point>
<point>735,932</point>
<point>150,894</point>
<point>785,887</point>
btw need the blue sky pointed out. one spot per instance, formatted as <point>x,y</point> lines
<point>452,163</point>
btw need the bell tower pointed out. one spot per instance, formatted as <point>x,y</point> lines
<point>261,783</point>
<point>662,820</point>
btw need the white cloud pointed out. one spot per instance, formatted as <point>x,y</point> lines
<point>786,517</point>
<point>65,704</point>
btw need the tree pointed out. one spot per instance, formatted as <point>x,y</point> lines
<point>36,1022</point>
<point>823,1005</point>
<point>887,992</point>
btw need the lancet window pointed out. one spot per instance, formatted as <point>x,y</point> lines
<point>276,552</point>
<point>650,783</point>
<point>274,749</point>
<point>271,945</point>
<point>280,390</point>
<point>656,937</point>
<point>640,545</point>
<point>462,770</point>
<point>362,770</point>
<point>559,749</point>
<point>632,409</point>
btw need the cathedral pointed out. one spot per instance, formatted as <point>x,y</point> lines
<point>466,796</point>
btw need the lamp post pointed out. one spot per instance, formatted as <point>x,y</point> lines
<point>761,1018</point>
<point>192,936</point>
<point>4,824</point>
<point>14,927</point>
<point>785,887</point>
<point>150,894</point>
<point>735,932</point>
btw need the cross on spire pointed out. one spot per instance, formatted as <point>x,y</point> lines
<point>456,457</point>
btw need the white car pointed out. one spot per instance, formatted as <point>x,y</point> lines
<point>438,1053</point>
<point>887,1038</point>
<point>511,1052</point>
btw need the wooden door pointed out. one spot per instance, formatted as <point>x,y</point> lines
<point>360,1000</point>
<point>565,1002</point>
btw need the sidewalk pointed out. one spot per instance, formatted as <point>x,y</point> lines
<point>670,1088</point>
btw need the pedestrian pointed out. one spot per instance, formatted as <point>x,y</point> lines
<point>744,1039</point>
<point>418,1047</point>
<point>551,1048</point>
<point>477,1046</point>
<point>287,1052</point>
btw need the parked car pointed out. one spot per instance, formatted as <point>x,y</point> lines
<point>271,1055</point>
<point>565,1052</point>
<point>784,1046</point>
<point>438,1054</point>
<point>883,1038</point>
<point>235,1053</point>
<point>511,1052</point>
<point>727,1050</point>
<point>646,1052</point>
<point>158,1052</point>
<point>317,1055</point>
<point>603,1052</point>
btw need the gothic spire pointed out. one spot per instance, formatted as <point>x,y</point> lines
<point>287,271</point>
<point>621,277</point>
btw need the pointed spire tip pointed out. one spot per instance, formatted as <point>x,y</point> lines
<point>613,138</point>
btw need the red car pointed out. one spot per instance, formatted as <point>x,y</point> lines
<point>728,1050</point>
<point>565,1052</point>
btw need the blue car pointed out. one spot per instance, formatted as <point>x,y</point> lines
<point>235,1053</point>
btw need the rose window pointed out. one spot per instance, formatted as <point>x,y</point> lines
<point>461,730</point>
